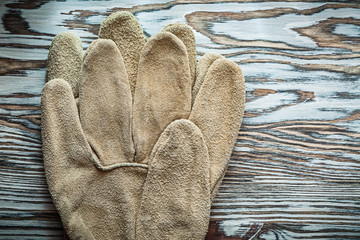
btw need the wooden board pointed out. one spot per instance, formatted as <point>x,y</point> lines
<point>295,170</point>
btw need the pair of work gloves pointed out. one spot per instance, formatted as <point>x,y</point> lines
<point>136,134</point>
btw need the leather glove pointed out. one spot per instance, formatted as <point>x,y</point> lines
<point>107,185</point>
<point>123,28</point>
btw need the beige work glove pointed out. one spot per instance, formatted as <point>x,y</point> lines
<point>101,189</point>
<point>124,29</point>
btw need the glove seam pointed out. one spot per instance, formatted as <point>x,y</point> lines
<point>100,166</point>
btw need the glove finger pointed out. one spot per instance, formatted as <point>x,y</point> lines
<point>186,35</point>
<point>106,104</point>
<point>64,143</point>
<point>218,112</point>
<point>163,91</point>
<point>124,29</point>
<point>176,197</point>
<point>65,59</point>
<point>201,71</point>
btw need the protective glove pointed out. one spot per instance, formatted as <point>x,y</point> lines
<point>174,195</point>
<point>124,29</point>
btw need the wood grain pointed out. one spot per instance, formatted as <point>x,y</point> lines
<point>295,169</point>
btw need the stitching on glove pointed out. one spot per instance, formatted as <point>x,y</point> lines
<point>99,166</point>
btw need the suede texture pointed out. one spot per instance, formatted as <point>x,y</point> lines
<point>96,198</point>
<point>163,92</point>
<point>64,60</point>
<point>218,111</point>
<point>124,29</point>
<point>143,157</point>
<point>201,71</point>
<point>106,104</point>
<point>186,35</point>
<point>175,202</point>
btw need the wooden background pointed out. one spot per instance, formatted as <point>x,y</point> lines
<point>295,169</point>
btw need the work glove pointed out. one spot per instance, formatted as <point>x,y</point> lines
<point>124,29</point>
<point>143,165</point>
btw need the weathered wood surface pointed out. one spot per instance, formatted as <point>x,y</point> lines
<point>295,170</point>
